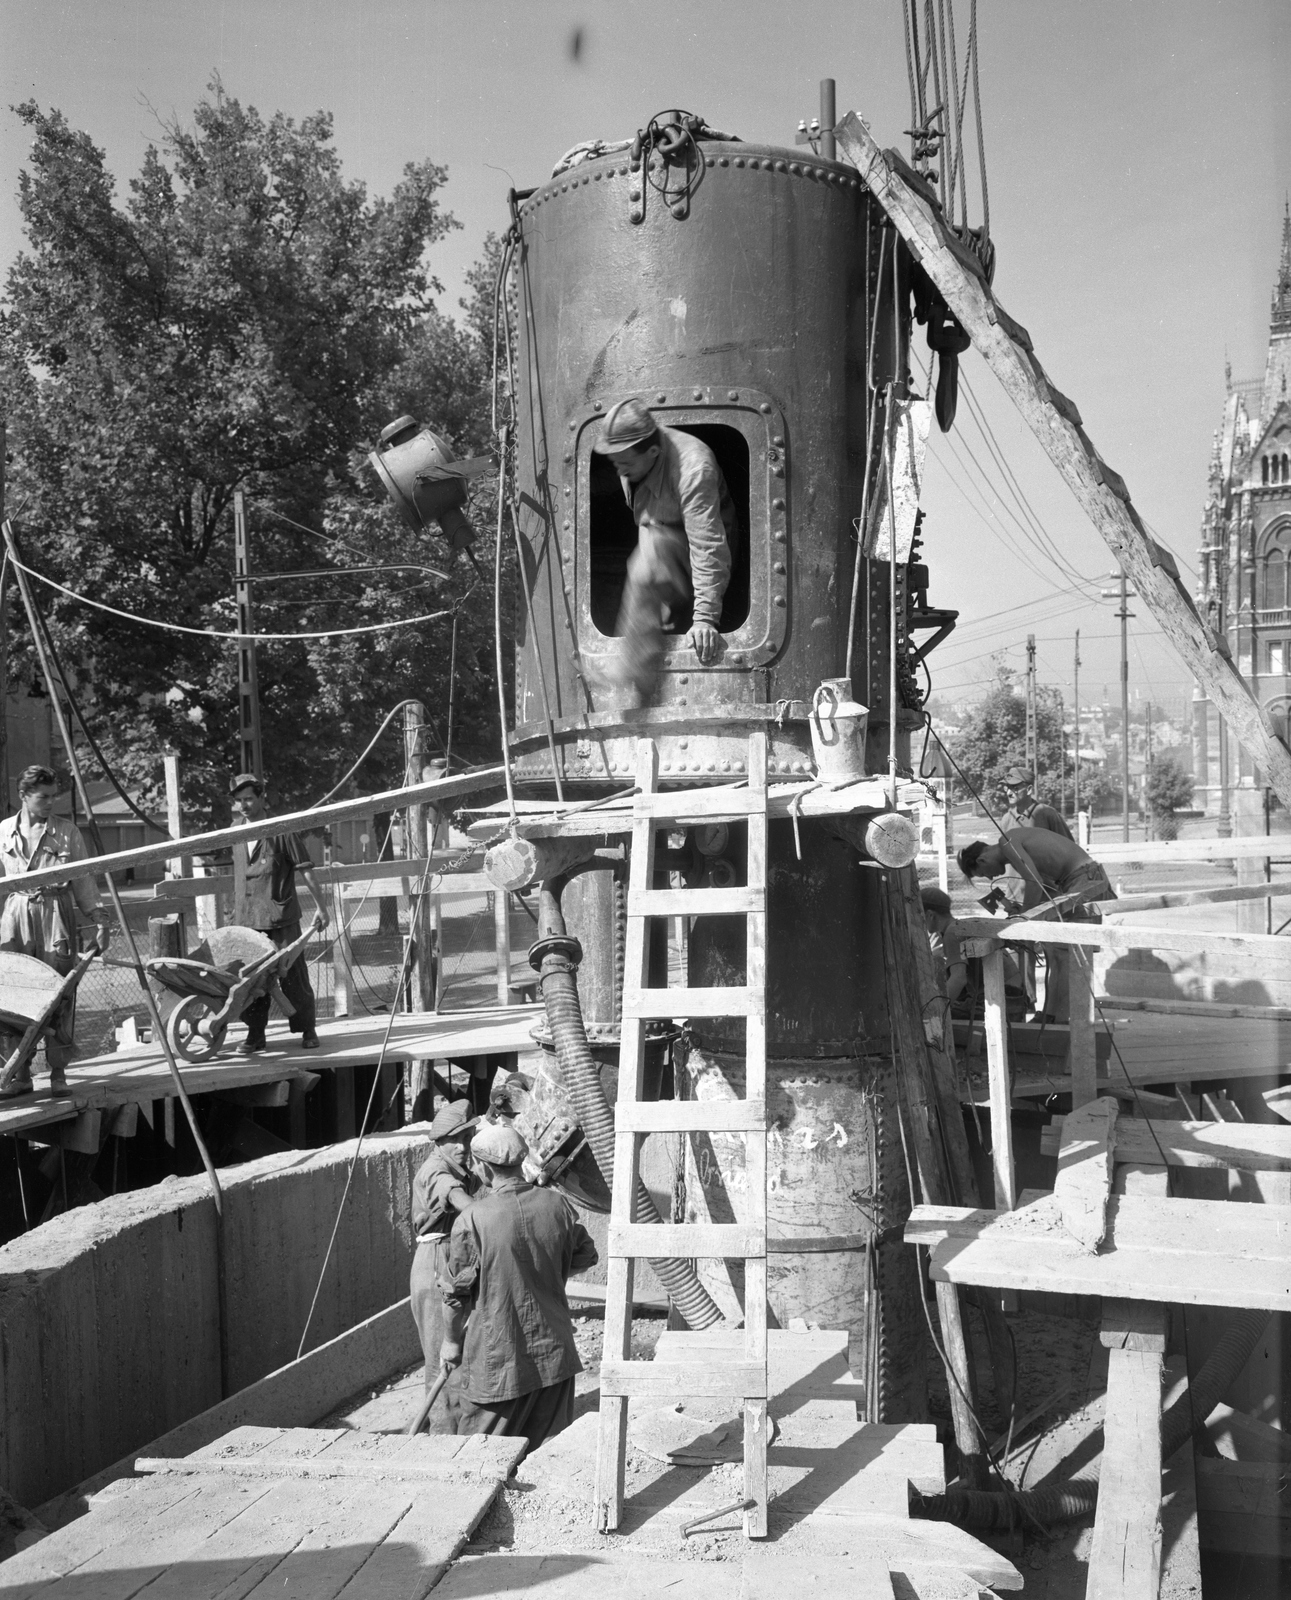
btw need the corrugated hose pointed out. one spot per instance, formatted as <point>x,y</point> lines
<point>556,957</point>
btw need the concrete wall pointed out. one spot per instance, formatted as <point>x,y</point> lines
<point>110,1319</point>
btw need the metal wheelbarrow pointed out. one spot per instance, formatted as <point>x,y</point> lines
<point>30,995</point>
<point>218,981</point>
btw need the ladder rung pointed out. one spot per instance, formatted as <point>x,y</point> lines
<point>708,1241</point>
<point>696,902</point>
<point>691,1116</point>
<point>677,805</point>
<point>732,1002</point>
<point>729,1380</point>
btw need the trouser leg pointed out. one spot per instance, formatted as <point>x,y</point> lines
<point>428,1313</point>
<point>298,989</point>
<point>535,1416</point>
<point>651,584</point>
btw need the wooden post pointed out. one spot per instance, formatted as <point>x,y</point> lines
<point>177,866</point>
<point>206,907</point>
<point>502,943</point>
<point>963,1388</point>
<point>1082,1052</point>
<point>342,959</point>
<point>997,1057</point>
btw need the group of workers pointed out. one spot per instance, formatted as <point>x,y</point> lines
<point>43,922</point>
<point>488,1279</point>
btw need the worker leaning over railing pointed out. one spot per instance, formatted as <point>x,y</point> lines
<point>42,922</point>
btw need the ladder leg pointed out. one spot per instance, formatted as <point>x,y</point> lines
<point>612,1441</point>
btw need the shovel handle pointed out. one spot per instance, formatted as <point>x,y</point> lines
<point>430,1399</point>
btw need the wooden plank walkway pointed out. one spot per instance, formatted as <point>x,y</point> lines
<point>135,1076</point>
<point>292,1513</point>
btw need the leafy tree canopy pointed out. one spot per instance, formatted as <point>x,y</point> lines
<point>246,320</point>
<point>1169,787</point>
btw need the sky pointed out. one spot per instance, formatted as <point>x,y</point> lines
<point>1138,160</point>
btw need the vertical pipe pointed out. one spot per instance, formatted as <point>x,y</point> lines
<point>177,866</point>
<point>502,943</point>
<point>828,117</point>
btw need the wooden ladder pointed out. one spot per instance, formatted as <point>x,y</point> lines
<point>746,1379</point>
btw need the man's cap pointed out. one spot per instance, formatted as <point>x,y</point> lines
<point>1015,778</point>
<point>456,1117</point>
<point>244,780</point>
<point>935,899</point>
<point>627,424</point>
<point>499,1143</point>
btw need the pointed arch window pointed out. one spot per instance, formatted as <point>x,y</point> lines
<point>1274,597</point>
<point>1285,477</point>
<point>1264,469</point>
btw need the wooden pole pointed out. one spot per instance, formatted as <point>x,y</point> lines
<point>997,1057</point>
<point>502,943</point>
<point>250,752</point>
<point>177,866</point>
<point>1082,1056</point>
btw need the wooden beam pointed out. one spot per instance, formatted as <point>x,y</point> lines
<point>1195,1008</point>
<point>1125,1554</point>
<point>1190,1252</point>
<point>1082,1042</point>
<point>1257,845</point>
<point>1084,1182</point>
<point>997,1056</point>
<point>1262,954</point>
<point>292,822</point>
<point>1053,419</point>
<point>1126,904</point>
<point>1246,1146</point>
<point>515,863</point>
<point>1040,1085</point>
<point>1239,1437</point>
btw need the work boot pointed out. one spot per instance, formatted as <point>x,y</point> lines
<point>58,1085</point>
<point>309,1040</point>
<point>253,1043</point>
<point>17,1088</point>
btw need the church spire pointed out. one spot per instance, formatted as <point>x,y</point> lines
<point>1281,317</point>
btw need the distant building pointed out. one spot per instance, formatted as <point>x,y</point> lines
<point>1244,588</point>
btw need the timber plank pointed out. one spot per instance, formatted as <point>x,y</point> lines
<point>143,1545</point>
<point>736,1380</point>
<point>1125,1556</point>
<point>411,1558</point>
<point>1248,1146</point>
<point>1084,1182</point>
<point>341,1533</point>
<point>1194,1252</point>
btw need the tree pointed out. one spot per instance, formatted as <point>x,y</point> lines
<point>247,319</point>
<point>993,739</point>
<point>1169,789</point>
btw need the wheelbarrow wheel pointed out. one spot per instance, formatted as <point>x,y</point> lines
<point>182,1030</point>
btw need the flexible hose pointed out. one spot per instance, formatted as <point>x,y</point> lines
<point>556,957</point>
<point>1065,1502</point>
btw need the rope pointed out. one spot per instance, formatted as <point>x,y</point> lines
<point>977,107</point>
<point>367,1112</point>
<point>213,633</point>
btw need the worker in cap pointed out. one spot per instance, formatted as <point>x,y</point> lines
<point>685,521</point>
<point>1051,868</point>
<point>508,1327</point>
<point>1025,811</point>
<point>444,1187</point>
<point>264,876</point>
<point>944,941</point>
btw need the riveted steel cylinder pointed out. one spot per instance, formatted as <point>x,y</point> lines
<point>747,305</point>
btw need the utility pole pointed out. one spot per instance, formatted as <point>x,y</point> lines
<point>1033,754</point>
<point>1122,593</point>
<point>250,756</point>
<point>1075,755</point>
<point>4,650</point>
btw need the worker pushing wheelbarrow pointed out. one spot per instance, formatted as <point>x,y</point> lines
<point>234,970</point>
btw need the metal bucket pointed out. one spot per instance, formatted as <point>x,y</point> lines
<point>838,726</point>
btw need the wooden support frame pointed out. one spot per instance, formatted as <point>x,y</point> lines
<point>1055,421</point>
<point>997,1057</point>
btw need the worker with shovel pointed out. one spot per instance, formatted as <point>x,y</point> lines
<point>507,1322</point>
<point>442,1189</point>
<point>42,922</point>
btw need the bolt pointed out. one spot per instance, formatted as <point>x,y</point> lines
<point>732,394</point>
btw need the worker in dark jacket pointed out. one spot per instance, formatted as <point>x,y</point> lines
<point>442,1189</point>
<point>1050,867</point>
<point>267,901</point>
<point>685,518</point>
<point>1025,811</point>
<point>507,1319</point>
